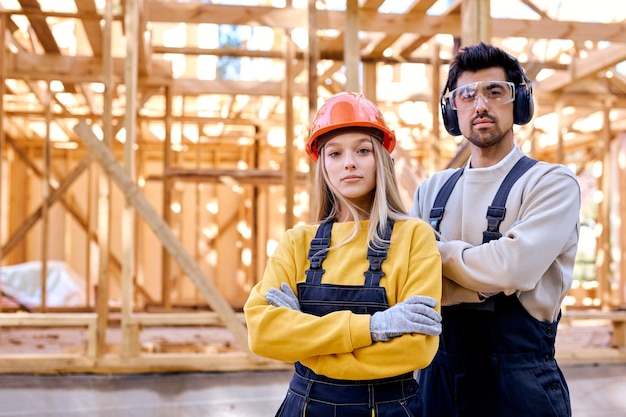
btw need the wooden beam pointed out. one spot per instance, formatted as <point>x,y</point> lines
<point>536,9</point>
<point>80,69</point>
<point>249,176</point>
<point>148,362</point>
<point>208,318</point>
<point>580,68</point>
<point>30,66</point>
<point>422,39</point>
<point>187,86</point>
<point>143,44</point>
<point>47,319</point>
<point>41,28</point>
<point>91,26</point>
<point>44,34</point>
<point>372,21</point>
<point>418,8</point>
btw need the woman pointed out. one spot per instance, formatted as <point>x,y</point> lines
<point>353,300</point>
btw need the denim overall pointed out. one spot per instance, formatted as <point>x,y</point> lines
<point>494,358</point>
<point>310,394</point>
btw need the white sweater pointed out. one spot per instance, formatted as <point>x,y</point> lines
<point>534,258</point>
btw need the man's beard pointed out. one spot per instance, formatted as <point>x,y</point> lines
<point>485,138</point>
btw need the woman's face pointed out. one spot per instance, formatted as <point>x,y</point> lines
<point>351,166</point>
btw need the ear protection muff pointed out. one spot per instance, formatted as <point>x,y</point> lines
<point>450,119</point>
<point>523,106</point>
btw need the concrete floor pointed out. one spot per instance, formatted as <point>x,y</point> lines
<point>597,391</point>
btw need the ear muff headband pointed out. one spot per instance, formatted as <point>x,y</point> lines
<point>523,106</point>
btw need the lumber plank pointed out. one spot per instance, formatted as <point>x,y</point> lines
<point>48,319</point>
<point>616,318</point>
<point>179,319</point>
<point>187,362</point>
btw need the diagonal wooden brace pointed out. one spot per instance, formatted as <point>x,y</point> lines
<point>162,230</point>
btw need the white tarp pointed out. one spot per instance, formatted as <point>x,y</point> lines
<point>22,282</point>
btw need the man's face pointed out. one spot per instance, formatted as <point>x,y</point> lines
<point>487,121</point>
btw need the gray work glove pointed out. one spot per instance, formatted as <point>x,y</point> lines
<point>283,297</point>
<point>413,315</point>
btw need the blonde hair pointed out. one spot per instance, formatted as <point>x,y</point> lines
<point>386,202</point>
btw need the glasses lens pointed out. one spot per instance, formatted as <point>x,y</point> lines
<point>492,92</point>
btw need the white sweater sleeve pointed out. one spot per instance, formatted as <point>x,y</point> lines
<point>544,230</point>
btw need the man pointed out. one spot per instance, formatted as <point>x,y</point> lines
<point>508,263</point>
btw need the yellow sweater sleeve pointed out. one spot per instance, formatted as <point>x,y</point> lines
<point>339,344</point>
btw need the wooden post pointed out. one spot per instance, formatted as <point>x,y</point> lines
<point>603,246</point>
<point>45,189</point>
<point>436,86</point>
<point>352,48</point>
<point>88,229</point>
<point>560,129</point>
<point>475,21</point>
<point>621,215</point>
<point>104,188</point>
<point>166,283</point>
<point>370,80</point>
<point>290,167</point>
<point>131,19</point>
<point>3,52</point>
<point>313,58</point>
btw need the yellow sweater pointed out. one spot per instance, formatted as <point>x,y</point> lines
<point>339,344</point>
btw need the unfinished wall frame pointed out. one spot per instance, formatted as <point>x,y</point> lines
<point>175,181</point>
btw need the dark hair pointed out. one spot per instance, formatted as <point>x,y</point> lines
<point>482,56</point>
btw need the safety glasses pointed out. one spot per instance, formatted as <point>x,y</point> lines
<point>493,92</point>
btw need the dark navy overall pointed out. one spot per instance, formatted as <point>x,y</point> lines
<point>311,394</point>
<point>494,358</point>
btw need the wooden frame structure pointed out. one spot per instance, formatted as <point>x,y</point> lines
<point>172,178</point>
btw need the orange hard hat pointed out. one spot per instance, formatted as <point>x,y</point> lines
<point>348,111</point>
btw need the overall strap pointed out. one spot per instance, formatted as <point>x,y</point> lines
<point>497,209</point>
<point>318,252</point>
<point>376,257</point>
<point>436,213</point>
